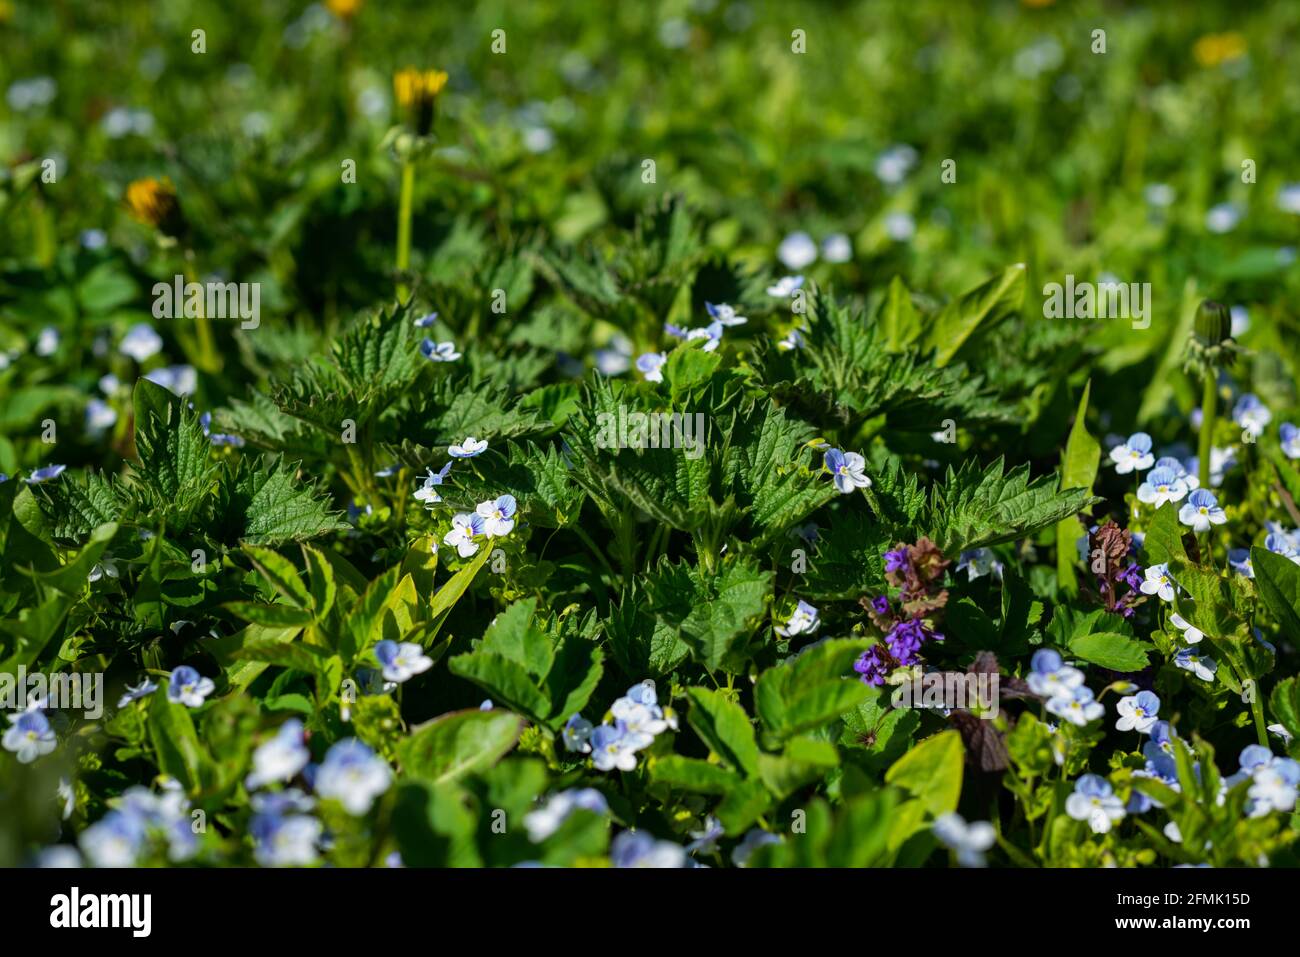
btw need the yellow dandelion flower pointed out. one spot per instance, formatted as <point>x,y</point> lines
<point>153,202</point>
<point>343,9</point>
<point>417,92</point>
<point>1214,49</point>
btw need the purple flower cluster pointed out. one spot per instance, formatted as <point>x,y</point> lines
<point>918,571</point>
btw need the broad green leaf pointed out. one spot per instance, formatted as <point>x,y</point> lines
<point>724,727</point>
<point>447,748</point>
<point>932,772</point>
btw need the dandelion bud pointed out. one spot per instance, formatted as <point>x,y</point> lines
<point>1213,323</point>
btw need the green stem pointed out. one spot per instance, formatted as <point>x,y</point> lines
<point>207,359</point>
<point>1209,408</point>
<point>404,226</point>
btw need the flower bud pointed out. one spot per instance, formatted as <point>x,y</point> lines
<point>1213,323</point>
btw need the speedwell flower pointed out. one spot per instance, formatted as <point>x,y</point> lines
<point>401,661</point>
<point>468,449</point>
<point>29,736</point>
<point>1161,485</point>
<point>1094,801</point>
<point>785,287</point>
<point>135,692</point>
<point>970,841</point>
<point>1203,668</point>
<point>724,314</point>
<point>577,734</point>
<point>1049,677</point>
<point>639,849</point>
<point>279,758</point>
<point>1290,436</point>
<point>1158,582</point>
<point>428,492</point>
<point>1138,712</point>
<point>546,820</point>
<point>1201,510</point>
<point>353,775</point>
<point>498,516</point>
<point>610,748</point>
<point>1135,453</point>
<point>1191,634</point>
<point>140,342</point>
<point>846,469</point>
<point>803,620</point>
<point>465,527</point>
<point>44,474</point>
<point>187,687</point>
<point>978,562</point>
<point>1251,414</point>
<point>439,351</point>
<point>1077,706</point>
<point>650,365</point>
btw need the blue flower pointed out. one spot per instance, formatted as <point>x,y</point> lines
<point>639,849</point>
<point>1049,677</point>
<point>751,842</point>
<point>285,841</point>
<point>498,516</point>
<point>44,474</point>
<point>468,449</point>
<point>428,492</point>
<point>29,736</point>
<point>785,287</point>
<point>650,364</point>
<point>1133,454</point>
<point>186,687</point>
<point>546,820</point>
<point>724,314</point>
<point>803,620</point>
<point>280,758</point>
<point>847,470</point>
<point>1239,559</point>
<point>140,342</point>
<point>1094,801</point>
<point>970,841</point>
<point>439,351</point>
<point>115,840</point>
<point>1203,668</point>
<point>1201,510</point>
<point>1290,436</point>
<point>979,562</point>
<point>401,661</point>
<point>1138,712</point>
<point>135,692</point>
<point>1251,414</point>
<point>100,417</point>
<point>423,322</point>
<point>353,775</point>
<point>1076,706</point>
<point>1158,582</point>
<point>465,527</point>
<point>611,749</point>
<point>577,734</point>
<point>1162,485</point>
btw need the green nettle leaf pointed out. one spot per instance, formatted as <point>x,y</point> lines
<point>1278,579</point>
<point>974,509</point>
<point>454,745</point>
<point>269,507</point>
<point>723,612</point>
<point>176,466</point>
<point>77,505</point>
<point>1099,637</point>
<point>1078,470</point>
<point>815,688</point>
<point>1164,536</point>
<point>723,725</point>
<point>281,575</point>
<point>932,772</point>
<point>899,318</point>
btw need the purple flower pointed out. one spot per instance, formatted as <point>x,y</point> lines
<point>896,561</point>
<point>880,605</point>
<point>872,666</point>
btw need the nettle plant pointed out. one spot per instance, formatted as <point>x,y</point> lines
<point>662,618</point>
